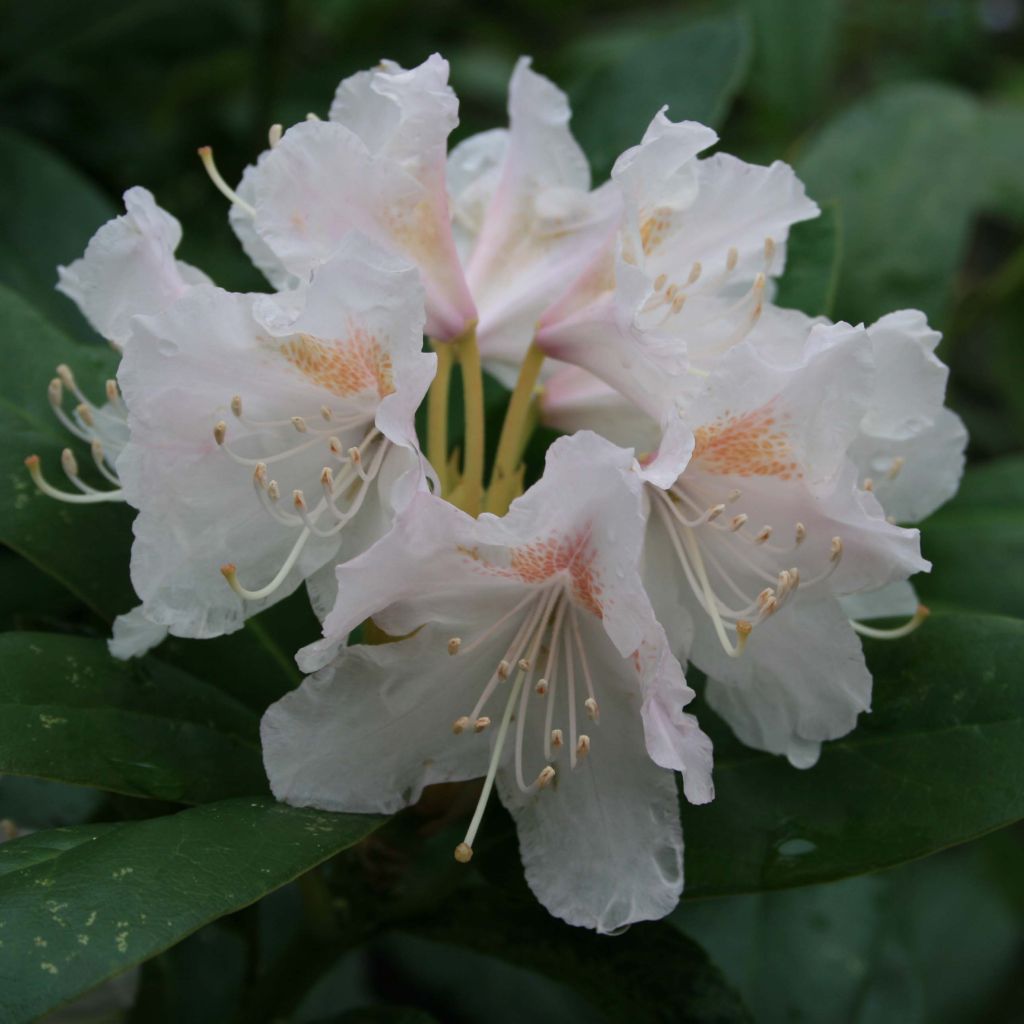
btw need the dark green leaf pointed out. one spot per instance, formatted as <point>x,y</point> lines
<point>937,762</point>
<point>650,974</point>
<point>71,713</point>
<point>696,67</point>
<point>85,547</point>
<point>975,540</point>
<point>43,846</point>
<point>813,260</point>
<point>1002,129</point>
<point>382,1015</point>
<point>36,803</point>
<point>903,165</point>
<point>48,212</point>
<point>96,909</point>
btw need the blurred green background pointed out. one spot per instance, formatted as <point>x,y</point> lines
<point>905,119</point>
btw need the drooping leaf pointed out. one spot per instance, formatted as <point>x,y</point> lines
<point>813,261</point>
<point>975,542</point>
<point>903,165</point>
<point>85,547</point>
<point>694,66</point>
<point>48,212</point>
<point>69,712</point>
<point>645,975</point>
<point>97,908</point>
<point>936,762</point>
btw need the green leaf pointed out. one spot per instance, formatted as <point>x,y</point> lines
<point>874,948</point>
<point>48,212</point>
<point>39,847</point>
<point>71,713</point>
<point>937,762</point>
<point>85,547</point>
<point>903,165</point>
<point>1002,130</point>
<point>96,909</point>
<point>975,540</point>
<point>649,974</point>
<point>813,260</point>
<point>695,66</point>
<point>37,803</point>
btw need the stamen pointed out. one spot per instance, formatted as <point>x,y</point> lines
<point>460,724</point>
<point>763,534</point>
<point>481,723</point>
<point>541,688</point>
<point>695,272</point>
<point>906,629</point>
<point>274,134</point>
<point>556,738</point>
<point>897,465</point>
<point>547,773</point>
<point>220,431</point>
<point>737,521</point>
<point>732,258</point>
<point>299,424</point>
<point>93,497</point>
<point>583,746</point>
<point>800,533</point>
<point>99,457</point>
<point>454,644</point>
<point>592,709</point>
<point>659,282</point>
<point>206,155</point>
<point>230,573</point>
<point>869,484</point>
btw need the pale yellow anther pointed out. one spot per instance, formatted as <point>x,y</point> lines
<point>744,629</point>
<point>695,272</point>
<point>897,465</point>
<point>220,430</point>
<point>737,522</point>
<point>764,596</point>
<point>583,746</point>
<point>547,773</point>
<point>463,852</point>
<point>299,424</point>
<point>355,455</point>
<point>327,480</point>
<point>732,258</point>
<point>800,532</point>
<point>659,282</point>
<point>84,414</point>
<point>524,664</point>
<point>481,723</point>
<point>65,374</point>
<point>314,117</point>
<point>55,391</point>
<point>113,394</point>
<point>715,511</point>
<point>259,474</point>
<point>541,687</point>
<point>334,444</point>
<point>97,450</point>
<point>677,303</point>
<point>763,534</point>
<point>556,737</point>
<point>769,250</point>
<point>734,495</point>
<point>504,668</point>
<point>326,413</point>
<point>593,711</point>
<point>670,292</point>
<point>68,462</point>
<point>274,134</point>
<point>236,404</point>
<point>836,551</point>
<point>460,725</point>
<point>869,484</point>
<point>273,491</point>
<point>299,500</point>
<point>759,282</point>
<point>454,644</point>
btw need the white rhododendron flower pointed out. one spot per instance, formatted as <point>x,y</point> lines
<point>729,498</point>
<point>266,432</point>
<point>685,277</point>
<point>525,221</point>
<point>535,660</point>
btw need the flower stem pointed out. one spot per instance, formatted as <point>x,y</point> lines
<point>473,398</point>
<point>437,413</point>
<point>514,432</point>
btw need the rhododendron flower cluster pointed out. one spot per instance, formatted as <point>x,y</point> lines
<point>733,491</point>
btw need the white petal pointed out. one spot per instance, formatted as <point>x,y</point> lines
<point>602,845</point>
<point>135,634</point>
<point>895,600</point>
<point>801,681</point>
<point>368,732</point>
<point>128,268</point>
<point>474,170</point>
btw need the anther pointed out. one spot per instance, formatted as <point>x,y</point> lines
<point>592,709</point>
<point>259,475</point>
<point>327,480</point>
<point>677,303</point>
<point>541,687</point>
<point>299,500</point>
<point>326,413</point>
<point>463,852</point>
<point>734,495</point>
<point>55,391</point>
<point>897,465</point>
<point>454,644</point>
<point>481,723</point>
<point>583,746</point>
<point>800,533</point>
<point>737,522</point>
<point>524,664</point>
<point>273,491</point>
<point>460,724</point>
<point>764,533</point>
<point>274,134</point>
<point>744,629</point>
<point>299,424</point>
<point>236,404</point>
<point>836,550</point>
<point>659,282</point>
<point>769,250</point>
<point>504,668</point>
<point>556,737</point>
<point>695,272</point>
<point>869,484</point>
<point>759,282</point>
<point>732,258</point>
<point>314,117</point>
<point>355,455</point>
<point>84,414</point>
<point>547,773</point>
<point>113,394</point>
<point>68,462</point>
<point>765,596</point>
<point>66,376</point>
<point>220,431</point>
<point>335,445</point>
<point>714,512</point>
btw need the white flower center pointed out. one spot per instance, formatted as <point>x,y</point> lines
<point>343,489</point>
<point>548,632</point>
